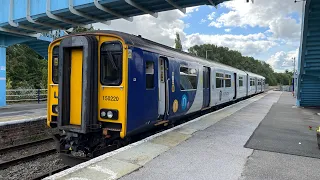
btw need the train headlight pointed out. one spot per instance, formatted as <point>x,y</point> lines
<point>109,114</point>
<point>103,114</point>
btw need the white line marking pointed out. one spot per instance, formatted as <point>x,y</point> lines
<point>112,174</point>
<point>78,178</point>
<point>104,156</point>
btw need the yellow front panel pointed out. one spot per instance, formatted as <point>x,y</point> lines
<point>115,97</point>
<point>76,87</point>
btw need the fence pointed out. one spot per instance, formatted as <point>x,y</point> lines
<point>26,95</point>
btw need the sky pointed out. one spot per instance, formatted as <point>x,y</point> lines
<point>268,30</point>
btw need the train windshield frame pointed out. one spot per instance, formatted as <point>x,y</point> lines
<point>111,57</point>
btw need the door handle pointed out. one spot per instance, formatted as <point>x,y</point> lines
<point>55,95</point>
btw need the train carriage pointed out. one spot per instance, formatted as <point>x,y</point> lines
<point>105,86</point>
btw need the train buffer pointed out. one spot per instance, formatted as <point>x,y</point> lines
<point>263,137</point>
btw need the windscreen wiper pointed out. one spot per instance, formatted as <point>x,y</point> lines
<point>112,61</point>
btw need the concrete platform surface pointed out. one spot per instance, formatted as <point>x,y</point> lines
<point>285,129</point>
<point>23,111</point>
<point>209,147</point>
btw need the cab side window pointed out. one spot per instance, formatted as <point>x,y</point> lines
<point>55,65</point>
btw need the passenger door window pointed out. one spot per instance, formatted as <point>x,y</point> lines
<point>149,74</point>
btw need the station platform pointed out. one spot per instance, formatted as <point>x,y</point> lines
<point>22,111</point>
<point>264,137</point>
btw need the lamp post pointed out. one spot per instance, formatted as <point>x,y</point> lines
<point>294,76</point>
<point>207,53</point>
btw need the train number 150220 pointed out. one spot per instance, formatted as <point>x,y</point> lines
<point>110,98</point>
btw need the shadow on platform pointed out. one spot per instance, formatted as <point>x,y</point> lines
<point>285,129</point>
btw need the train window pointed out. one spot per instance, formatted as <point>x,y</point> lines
<point>149,74</point>
<point>228,80</point>
<point>240,81</point>
<point>188,78</point>
<point>251,82</point>
<point>219,80</point>
<point>111,63</point>
<point>55,65</point>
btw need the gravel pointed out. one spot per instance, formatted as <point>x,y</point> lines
<point>27,151</point>
<point>32,169</point>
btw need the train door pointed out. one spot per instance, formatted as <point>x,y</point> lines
<point>206,87</point>
<point>256,84</point>
<point>235,86</point>
<point>163,105</point>
<point>248,85</point>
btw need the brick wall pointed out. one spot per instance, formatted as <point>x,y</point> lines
<point>19,133</point>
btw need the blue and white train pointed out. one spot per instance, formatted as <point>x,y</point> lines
<point>106,86</point>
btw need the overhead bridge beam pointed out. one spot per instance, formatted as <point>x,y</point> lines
<point>29,18</point>
<point>107,10</point>
<point>134,4</point>
<point>183,10</point>
<point>58,18</point>
<point>79,13</point>
<point>16,25</point>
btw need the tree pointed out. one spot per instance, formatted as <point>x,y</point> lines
<point>79,29</point>
<point>25,68</point>
<point>235,59</point>
<point>178,42</point>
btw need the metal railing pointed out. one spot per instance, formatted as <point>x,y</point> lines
<point>26,95</point>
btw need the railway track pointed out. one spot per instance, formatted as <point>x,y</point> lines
<point>7,163</point>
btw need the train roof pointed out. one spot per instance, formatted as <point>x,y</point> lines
<point>139,41</point>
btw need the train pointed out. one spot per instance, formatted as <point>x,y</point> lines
<point>107,86</point>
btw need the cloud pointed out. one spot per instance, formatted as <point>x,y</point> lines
<point>227,30</point>
<point>272,14</point>
<point>211,16</point>
<point>281,60</point>
<point>249,45</point>
<point>161,29</point>
<point>203,21</point>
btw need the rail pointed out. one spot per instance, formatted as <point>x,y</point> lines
<point>26,95</point>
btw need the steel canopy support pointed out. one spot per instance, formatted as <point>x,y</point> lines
<point>2,76</point>
<point>16,25</point>
<point>107,10</point>
<point>183,10</point>
<point>132,3</point>
<point>212,3</point>
<point>79,13</point>
<point>29,18</point>
<point>58,18</point>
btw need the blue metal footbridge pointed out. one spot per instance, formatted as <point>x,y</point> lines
<point>308,93</point>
